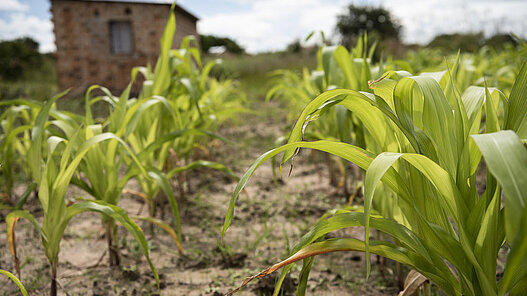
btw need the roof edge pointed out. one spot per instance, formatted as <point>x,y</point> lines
<point>178,7</point>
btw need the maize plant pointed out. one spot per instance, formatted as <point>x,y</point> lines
<point>15,123</point>
<point>337,68</point>
<point>100,167</point>
<point>431,141</point>
<point>147,129</point>
<point>15,141</point>
<point>485,67</point>
<point>193,106</point>
<point>53,161</point>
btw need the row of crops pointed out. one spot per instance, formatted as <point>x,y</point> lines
<point>440,158</point>
<point>149,138</point>
<point>450,156</point>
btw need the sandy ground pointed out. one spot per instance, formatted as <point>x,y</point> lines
<point>269,219</point>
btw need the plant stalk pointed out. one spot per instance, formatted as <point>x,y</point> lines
<point>53,288</point>
<point>113,251</point>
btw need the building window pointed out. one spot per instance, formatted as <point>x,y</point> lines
<point>121,37</point>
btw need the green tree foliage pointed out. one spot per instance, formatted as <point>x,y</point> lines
<point>208,41</point>
<point>499,41</point>
<point>472,42</point>
<point>466,42</point>
<point>17,57</point>
<point>295,46</point>
<point>357,20</point>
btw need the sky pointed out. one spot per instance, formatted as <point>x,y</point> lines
<point>269,25</point>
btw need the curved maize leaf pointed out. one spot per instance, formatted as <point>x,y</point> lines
<point>15,280</point>
<point>351,153</point>
<point>163,226</point>
<point>120,216</point>
<point>506,159</point>
<point>203,164</point>
<point>161,179</point>
<point>11,220</point>
<point>350,244</point>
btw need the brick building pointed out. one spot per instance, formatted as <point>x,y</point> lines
<point>100,41</point>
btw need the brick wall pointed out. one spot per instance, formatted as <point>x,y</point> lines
<point>82,37</point>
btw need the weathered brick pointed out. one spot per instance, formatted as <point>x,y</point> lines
<point>82,38</point>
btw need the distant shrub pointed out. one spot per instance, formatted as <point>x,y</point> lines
<point>18,57</point>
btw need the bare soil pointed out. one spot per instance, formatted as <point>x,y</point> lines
<point>269,219</point>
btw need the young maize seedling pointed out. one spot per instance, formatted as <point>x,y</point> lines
<point>53,175</point>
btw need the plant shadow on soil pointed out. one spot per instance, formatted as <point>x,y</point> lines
<point>269,220</point>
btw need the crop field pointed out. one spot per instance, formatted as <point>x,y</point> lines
<point>330,172</point>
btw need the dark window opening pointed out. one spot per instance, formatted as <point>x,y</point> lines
<point>96,12</point>
<point>128,10</point>
<point>121,37</point>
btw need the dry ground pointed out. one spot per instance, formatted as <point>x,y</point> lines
<point>269,219</point>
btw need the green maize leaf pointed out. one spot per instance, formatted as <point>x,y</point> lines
<point>365,74</point>
<point>22,200</point>
<point>119,112</point>
<point>327,57</point>
<point>343,123</point>
<point>67,127</point>
<point>516,267</point>
<point>53,143</point>
<point>117,214</point>
<point>30,103</point>
<point>506,159</point>
<point>375,171</point>
<point>353,97</point>
<point>206,71</point>
<point>203,164</point>
<point>516,115</point>
<point>428,110</point>
<point>384,89</point>
<point>450,197</point>
<point>473,98</point>
<point>162,70</point>
<point>67,171</point>
<point>342,57</point>
<point>177,134</point>
<point>13,134</point>
<point>350,244</point>
<point>37,137</point>
<point>10,221</point>
<point>15,280</point>
<point>161,179</point>
<point>133,115</point>
<point>403,235</point>
<point>87,104</point>
<point>351,153</point>
<point>373,120</point>
<point>490,237</point>
<point>163,226</point>
<point>83,185</point>
<point>520,287</point>
<point>304,276</point>
<point>491,111</point>
<point>56,208</point>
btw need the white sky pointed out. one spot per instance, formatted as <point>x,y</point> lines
<point>263,25</point>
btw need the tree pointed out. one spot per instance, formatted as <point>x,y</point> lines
<point>18,57</point>
<point>359,19</point>
<point>500,40</point>
<point>208,41</point>
<point>466,42</point>
<point>294,47</point>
